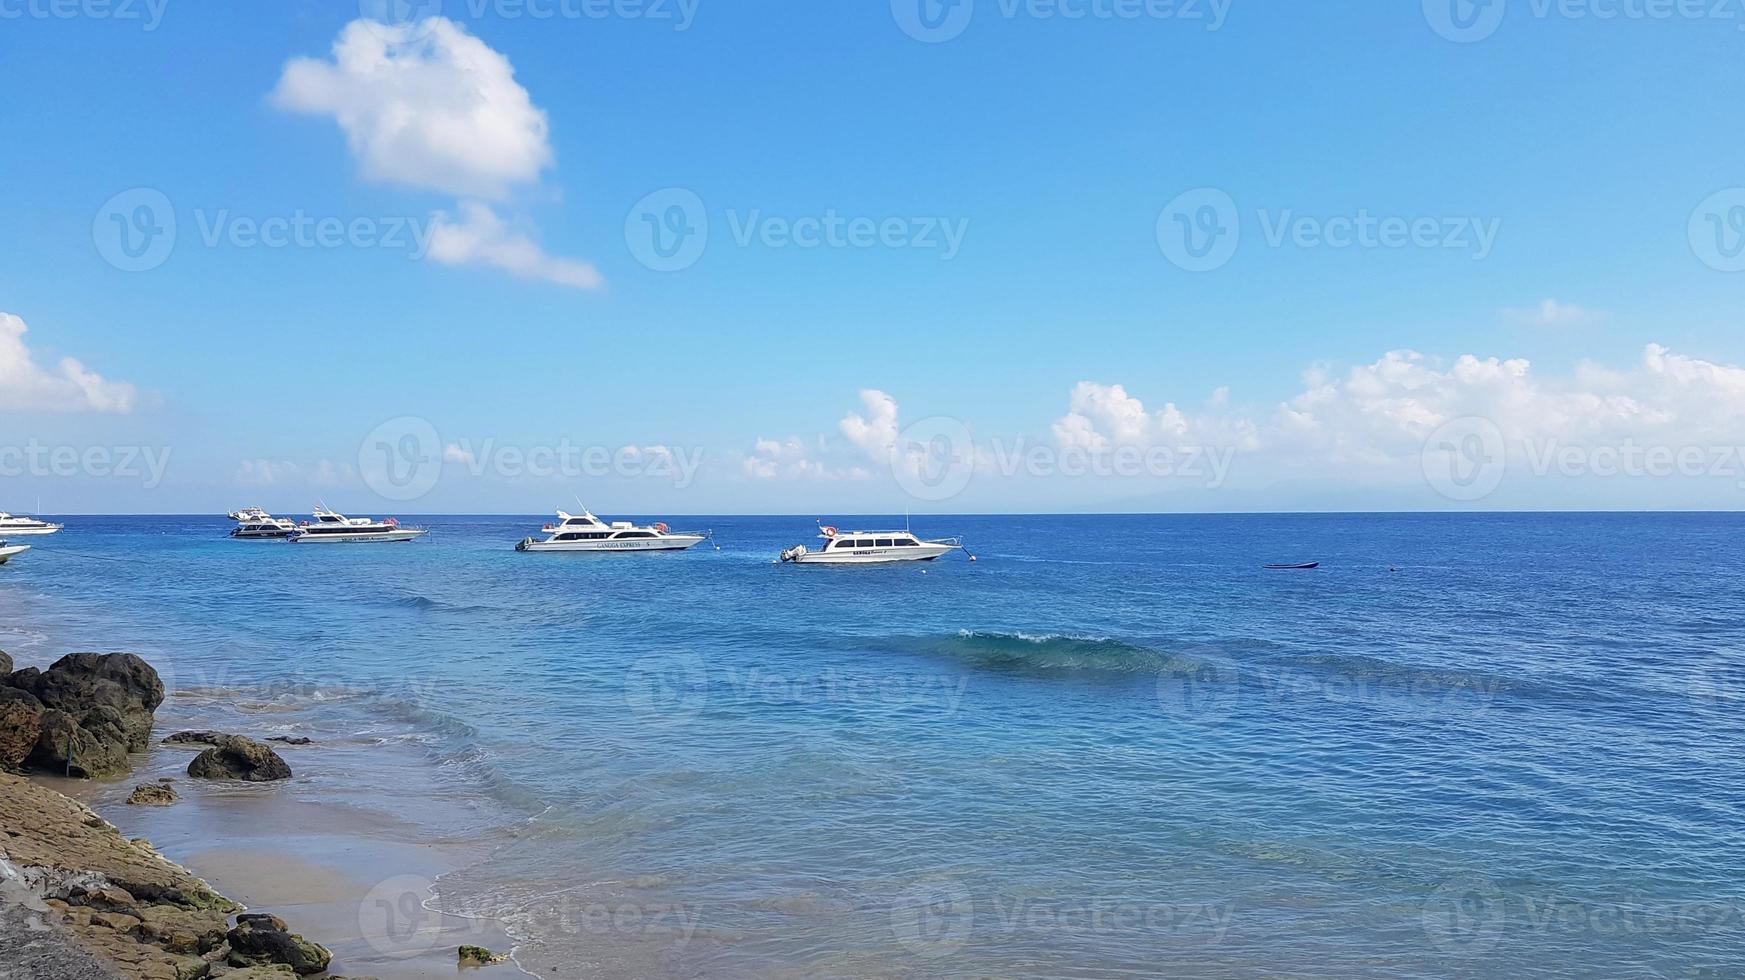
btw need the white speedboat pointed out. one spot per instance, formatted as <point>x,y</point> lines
<point>331,528</point>
<point>869,548</point>
<point>11,551</point>
<point>585,532</point>
<point>18,527</point>
<point>254,523</point>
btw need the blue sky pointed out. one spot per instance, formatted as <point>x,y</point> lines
<point>1054,146</point>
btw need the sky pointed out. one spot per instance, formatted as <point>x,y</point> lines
<point>694,257</point>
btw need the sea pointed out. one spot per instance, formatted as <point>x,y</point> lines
<point>1110,746</point>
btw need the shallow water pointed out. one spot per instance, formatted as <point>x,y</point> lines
<point>1112,746</point>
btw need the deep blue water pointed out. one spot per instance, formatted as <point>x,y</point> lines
<point>1466,745</point>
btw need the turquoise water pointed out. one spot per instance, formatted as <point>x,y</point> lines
<point>1465,746</point>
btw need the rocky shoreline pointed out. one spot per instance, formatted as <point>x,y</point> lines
<point>75,893</point>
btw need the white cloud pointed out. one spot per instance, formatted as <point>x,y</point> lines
<point>278,472</point>
<point>1551,313</point>
<point>1102,417</point>
<point>26,386</point>
<point>1380,414</point>
<point>875,434</point>
<point>426,105</point>
<point>773,459</point>
<point>480,236</point>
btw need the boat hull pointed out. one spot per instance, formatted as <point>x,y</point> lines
<point>25,532</point>
<point>379,537</point>
<point>671,542</point>
<point>261,535</point>
<point>12,551</point>
<point>874,556</point>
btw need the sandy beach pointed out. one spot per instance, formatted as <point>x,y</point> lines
<point>90,877</point>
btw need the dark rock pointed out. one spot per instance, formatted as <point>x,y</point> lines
<point>291,740</point>
<point>196,738</point>
<point>64,746</point>
<point>152,794</point>
<point>116,689</point>
<point>262,940</point>
<point>5,663</point>
<point>20,725</point>
<point>239,758</point>
<point>24,679</point>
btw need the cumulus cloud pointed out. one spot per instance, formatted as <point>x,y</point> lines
<point>429,106</point>
<point>425,105</point>
<point>26,386</point>
<point>480,236</point>
<point>1381,413</point>
<point>874,434</point>
<point>1551,313</point>
<point>1103,417</point>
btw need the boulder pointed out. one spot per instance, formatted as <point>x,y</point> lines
<point>262,940</point>
<point>65,746</point>
<point>116,690</point>
<point>151,794</point>
<point>96,708</point>
<point>20,725</point>
<point>291,740</point>
<point>196,738</point>
<point>5,663</point>
<point>239,758</point>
